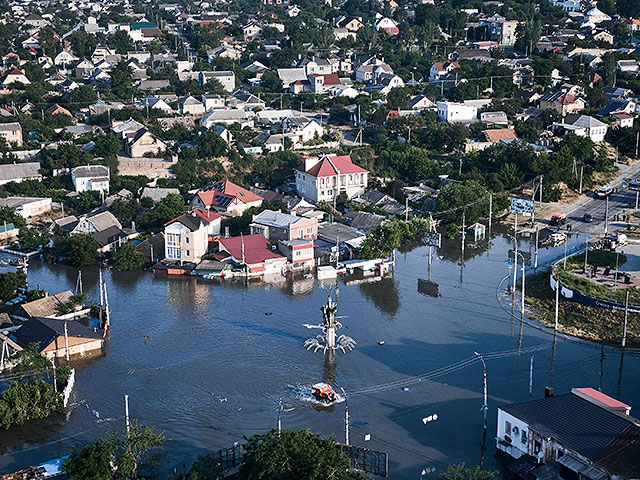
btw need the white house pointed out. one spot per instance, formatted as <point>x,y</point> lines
<point>457,112</point>
<point>91,178</point>
<point>440,69</point>
<point>584,126</point>
<point>327,176</point>
<point>226,78</point>
<point>596,16</point>
<point>64,58</point>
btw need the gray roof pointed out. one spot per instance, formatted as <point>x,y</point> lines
<point>8,127</point>
<point>14,202</point>
<point>104,220</point>
<point>274,218</point>
<point>19,171</point>
<point>574,422</point>
<point>91,171</point>
<point>364,220</point>
<point>329,232</point>
<point>44,331</point>
<point>583,121</point>
<point>157,193</point>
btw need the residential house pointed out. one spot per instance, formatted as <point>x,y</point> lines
<point>191,106</point>
<point>158,193</point>
<point>388,25</point>
<point>275,225</point>
<point>385,82</point>
<point>11,133</point>
<point>227,117</point>
<point>382,201</point>
<point>15,76</point>
<point>226,78</point>
<point>499,29</point>
<point>457,112</point>
<point>302,128</point>
<point>225,196</point>
<point>583,434</point>
<point>292,11</point>
<point>246,100</point>
<point>84,69</point>
<point>58,338</point>
<point>154,85</point>
<point>186,238</point>
<point>27,207</point>
<point>479,54</point>
<point>440,69</point>
<point>251,31</point>
<point>126,129</point>
<point>151,101</point>
<point>299,253</point>
<point>46,307</point>
<point>143,144</point>
<point>35,20</point>
<point>291,75</point>
<point>223,51</point>
<point>364,221</point>
<point>583,126</point>
<point>8,233</point>
<point>316,65</point>
<point>212,102</point>
<point>253,253</point>
<point>596,16</point>
<point>327,176</point>
<point>88,225</point>
<point>623,120</point>
<point>91,178</point>
<point>420,102</point>
<point>56,109</point>
<point>17,172</point>
<point>561,102</point>
<point>629,67</point>
<point>353,24</point>
<point>64,58</point>
<point>366,73</point>
<point>494,119</point>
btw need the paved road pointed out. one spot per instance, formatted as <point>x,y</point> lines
<point>620,202</point>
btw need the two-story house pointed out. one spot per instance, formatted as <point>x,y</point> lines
<point>440,69</point>
<point>562,102</point>
<point>275,225</point>
<point>186,238</point>
<point>91,178</point>
<point>583,126</point>
<point>144,143</point>
<point>11,133</point>
<point>327,176</point>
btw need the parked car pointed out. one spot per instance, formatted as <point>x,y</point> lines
<point>558,219</point>
<point>587,217</point>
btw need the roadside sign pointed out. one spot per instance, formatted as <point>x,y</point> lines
<point>522,205</point>
<point>431,239</point>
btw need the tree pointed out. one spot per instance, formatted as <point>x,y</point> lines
<point>79,250</point>
<point>30,239</point>
<point>529,31</point>
<point>93,462</point>
<point>294,454</point>
<point>469,197</point>
<point>126,258</point>
<point>210,145</point>
<point>83,96</point>
<point>29,400</point>
<point>10,282</point>
<point>270,82</point>
<point>628,8</point>
<point>122,42</point>
<point>459,472</point>
<point>9,216</point>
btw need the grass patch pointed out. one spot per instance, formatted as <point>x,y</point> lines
<point>592,323</point>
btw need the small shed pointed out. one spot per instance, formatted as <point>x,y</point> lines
<point>478,231</point>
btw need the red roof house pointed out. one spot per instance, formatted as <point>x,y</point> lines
<point>327,176</point>
<point>255,252</point>
<point>225,196</point>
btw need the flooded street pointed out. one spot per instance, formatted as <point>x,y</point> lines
<point>208,362</point>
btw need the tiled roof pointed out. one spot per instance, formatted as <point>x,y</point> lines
<point>330,165</point>
<point>221,193</point>
<point>257,249</point>
<point>500,134</point>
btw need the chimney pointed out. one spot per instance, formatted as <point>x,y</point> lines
<point>548,392</point>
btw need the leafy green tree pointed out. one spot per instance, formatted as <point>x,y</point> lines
<point>294,454</point>
<point>126,258</point>
<point>78,250</point>
<point>29,400</point>
<point>210,145</point>
<point>529,31</point>
<point>390,236</point>
<point>30,360</point>
<point>122,42</point>
<point>469,198</point>
<point>628,8</point>
<point>93,462</point>
<point>9,216</point>
<point>270,82</point>
<point>30,239</point>
<point>10,282</point>
<point>125,210</point>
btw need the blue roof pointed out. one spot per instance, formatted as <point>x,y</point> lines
<point>7,227</point>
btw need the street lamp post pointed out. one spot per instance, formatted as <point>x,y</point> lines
<point>485,405</point>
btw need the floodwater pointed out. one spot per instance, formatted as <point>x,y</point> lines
<point>208,363</point>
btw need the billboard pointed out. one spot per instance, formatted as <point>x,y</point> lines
<point>431,239</point>
<point>429,288</point>
<point>365,460</point>
<point>522,205</point>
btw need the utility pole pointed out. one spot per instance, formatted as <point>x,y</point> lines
<point>531,378</point>
<point>522,298</point>
<point>541,190</point>
<point>624,328</point>
<point>637,140</point>
<point>564,260</point>
<point>637,193</point>
<point>126,412</point>
<point>515,251</point>
<point>606,216</point>
<point>55,381</point>
<point>485,405</point>
<point>406,209</point>
<point>66,341</point>
<point>279,419</point>
<point>581,172</point>
<point>490,212</point>
<point>557,300</point>
<point>586,249</point>
<point>346,416</point>
<point>535,254</point>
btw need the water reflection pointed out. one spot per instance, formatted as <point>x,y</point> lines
<point>384,294</point>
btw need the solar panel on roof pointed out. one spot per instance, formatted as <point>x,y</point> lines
<point>223,201</point>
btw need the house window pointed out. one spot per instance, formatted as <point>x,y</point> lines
<point>188,253</point>
<point>537,447</point>
<point>524,437</point>
<point>186,239</point>
<point>507,428</point>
